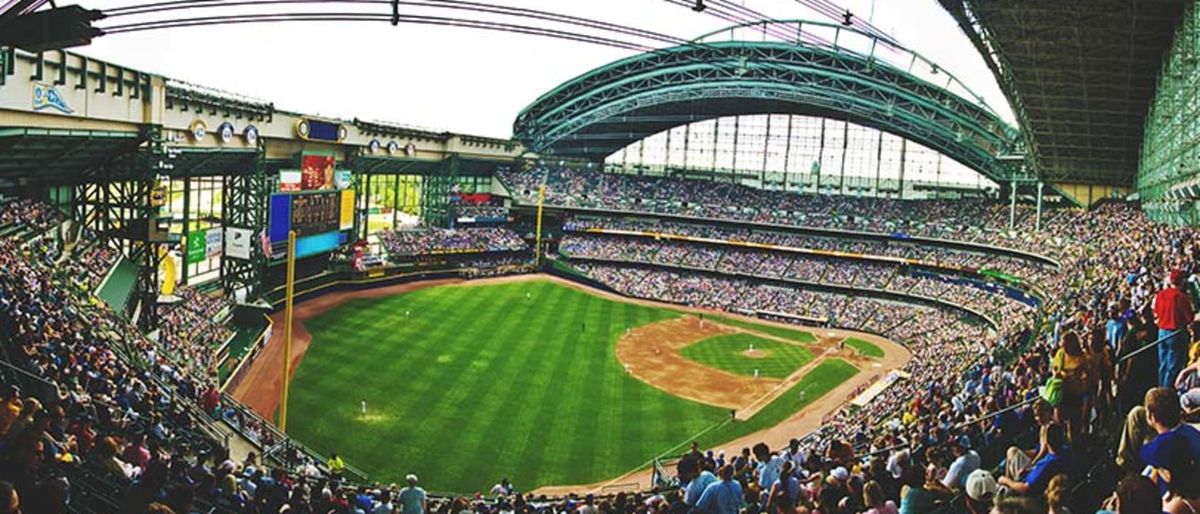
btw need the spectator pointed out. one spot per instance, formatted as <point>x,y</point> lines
<point>1072,366</point>
<point>1045,468</point>
<point>412,498</point>
<point>695,480</point>
<point>965,462</point>
<point>1173,314</point>
<point>1057,493</point>
<point>721,497</point>
<point>10,501</point>
<point>875,501</point>
<point>981,489</point>
<point>1135,494</point>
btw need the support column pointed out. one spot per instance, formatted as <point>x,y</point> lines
<point>1012,205</point>
<point>1039,205</point>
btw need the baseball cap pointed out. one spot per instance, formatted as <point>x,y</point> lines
<point>840,473</point>
<point>981,486</point>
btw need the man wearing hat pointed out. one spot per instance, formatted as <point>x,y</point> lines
<point>412,498</point>
<point>981,488</point>
<point>1172,313</point>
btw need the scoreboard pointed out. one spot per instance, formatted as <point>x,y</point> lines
<point>316,213</point>
<point>321,220</point>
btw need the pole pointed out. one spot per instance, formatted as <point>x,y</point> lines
<point>537,251</point>
<point>287,330</point>
<point>1039,206</point>
<point>1012,205</point>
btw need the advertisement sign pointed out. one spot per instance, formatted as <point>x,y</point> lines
<point>342,179</point>
<point>475,198</point>
<point>197,246</point>
<point>214,243</point>
<point>289,180</point>
<point>316,171</point>
<point>346,221</point>
<point>48,97</point>
<point>237,242</point>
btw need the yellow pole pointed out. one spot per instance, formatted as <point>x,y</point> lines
<point>537,252</point>
<point>287,329</point>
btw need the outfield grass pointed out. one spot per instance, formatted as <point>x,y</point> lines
<point>865,347</point>
<point>792,334</point>
<point>727,352</point>
<point>480,383</point>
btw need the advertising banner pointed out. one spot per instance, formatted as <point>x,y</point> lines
<point>316,171</point>
<point>289,180</point>
<point>237,242</point>
<point>342,179</point>
<point>197,246</point>
<point>346,220</point>
<point>214,242</point>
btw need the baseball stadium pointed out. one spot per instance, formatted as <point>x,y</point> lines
<point>667,257</point>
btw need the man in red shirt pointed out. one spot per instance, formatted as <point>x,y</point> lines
<point>1173,314</point>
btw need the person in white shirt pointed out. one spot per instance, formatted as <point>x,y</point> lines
<point>965,462</point>
<point>795,455</point>
<point>504,488</point>
<point>385,503</point>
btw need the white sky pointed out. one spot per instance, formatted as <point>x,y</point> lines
<point>464,80</point>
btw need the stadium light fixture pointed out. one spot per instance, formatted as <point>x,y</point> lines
<point>847,18</point>
<point>699,7</point>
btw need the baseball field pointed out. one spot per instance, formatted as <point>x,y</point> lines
<point>542,383</point>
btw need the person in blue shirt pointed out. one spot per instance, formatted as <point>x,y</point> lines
<point>722,497</point>
<point>1052,463</point>
<point>1175,441</point>
<point>695,478</point>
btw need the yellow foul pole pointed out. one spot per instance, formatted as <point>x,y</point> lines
<point>537,252</point>
<point>287,330</point>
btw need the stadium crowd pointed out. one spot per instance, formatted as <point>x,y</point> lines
<point>968,221</point>
<point>1011,419</point>
<point>427,241</point>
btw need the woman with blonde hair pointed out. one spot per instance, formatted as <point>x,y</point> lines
<point>875,501</point>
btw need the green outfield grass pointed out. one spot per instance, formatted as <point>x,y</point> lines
<point>802,336</point>
<point>479,383</point>
<point>727,352</point>
<point>865,347</point>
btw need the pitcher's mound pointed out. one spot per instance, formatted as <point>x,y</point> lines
<point>757,354</point>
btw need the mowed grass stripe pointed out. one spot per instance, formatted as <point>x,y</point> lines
<point>727,352</point>
<point>481,383</point>
<point>477,396</point>
<point>865,347</point>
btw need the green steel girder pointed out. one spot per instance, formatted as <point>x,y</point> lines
<point>615,105</point>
